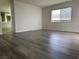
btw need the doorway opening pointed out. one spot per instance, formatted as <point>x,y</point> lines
<point>6,16</point>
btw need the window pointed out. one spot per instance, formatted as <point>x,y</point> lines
<point>61,15</point>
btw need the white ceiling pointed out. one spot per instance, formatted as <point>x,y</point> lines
<point>44,3</point>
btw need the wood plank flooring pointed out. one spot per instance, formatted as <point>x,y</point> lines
<point>42,44</point>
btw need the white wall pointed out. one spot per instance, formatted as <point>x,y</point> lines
<point>27,17</point>
<point>72,25</point>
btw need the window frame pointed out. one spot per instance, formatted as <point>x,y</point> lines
<point>60,13</point>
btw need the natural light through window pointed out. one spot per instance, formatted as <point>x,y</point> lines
<point>61,14</point>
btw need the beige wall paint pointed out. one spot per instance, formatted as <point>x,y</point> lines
<point>5,6</point>
<point>0,25</point>
<point>72,25</point>
<point>27,17</point>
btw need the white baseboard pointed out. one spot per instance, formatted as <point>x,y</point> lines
<point>27,30</point>
<point>62,31</point>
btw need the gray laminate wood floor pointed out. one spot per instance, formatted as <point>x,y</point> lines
<point>42,44</point>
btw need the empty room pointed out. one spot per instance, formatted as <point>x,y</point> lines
<point>39,29</point>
